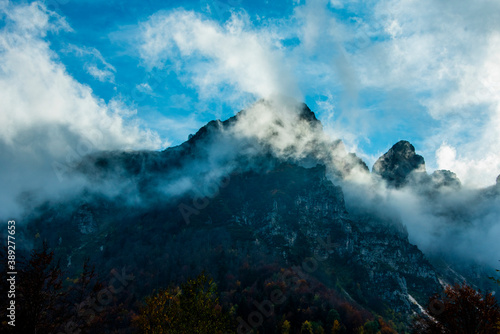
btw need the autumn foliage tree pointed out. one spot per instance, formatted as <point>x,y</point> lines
<point>192,308</point>
<point>462,309</point>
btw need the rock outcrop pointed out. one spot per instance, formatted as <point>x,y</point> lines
<point>398,164</point>
<point>445,179</point>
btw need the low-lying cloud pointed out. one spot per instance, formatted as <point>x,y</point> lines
<point>48,120</point>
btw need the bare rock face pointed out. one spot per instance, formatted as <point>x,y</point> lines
<point>498,180</point>
<point>445,179</point>
<point>85,220</point>
<point>398,163</point>
<point>294,211</point>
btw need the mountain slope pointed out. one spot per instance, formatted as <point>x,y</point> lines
<point>265,187</point>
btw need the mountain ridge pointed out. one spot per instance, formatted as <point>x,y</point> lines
<point>268,186</point>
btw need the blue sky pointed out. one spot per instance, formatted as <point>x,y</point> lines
<point>146,74</point>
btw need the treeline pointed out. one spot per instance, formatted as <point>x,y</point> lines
<point>47,301</point>
<point>267,299</point>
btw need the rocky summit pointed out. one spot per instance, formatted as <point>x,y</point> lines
<point>398,163</point>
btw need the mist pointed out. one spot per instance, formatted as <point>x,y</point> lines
<point>460,225</point>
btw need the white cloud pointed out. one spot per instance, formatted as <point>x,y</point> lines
<point>95,64</point>
<point>212,57</point>
<point>99,74</point>
<point>46,116</point>
<point>36,90</point>
<point>481,170</point>
<point>449,51</point>
<point>439,56</point>
<point>429,60</point>
<point>144,88</point>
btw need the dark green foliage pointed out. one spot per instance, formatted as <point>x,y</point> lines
<point>48,303</point>
<point>39,291</point>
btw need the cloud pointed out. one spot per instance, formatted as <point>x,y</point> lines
<point>95,64</point>
<point>48,120</point>
<point>375,72</point>
<point>144,88</point>
<point>392,69</point>
<point>471,171</point>
<point>459,226</point>
<point>397,69</point>
<point>444,54</point>
<point>226,61</point>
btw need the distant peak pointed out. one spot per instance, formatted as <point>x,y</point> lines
<point>403,148</point>
<point>398,163</point>
<point>445,178</point>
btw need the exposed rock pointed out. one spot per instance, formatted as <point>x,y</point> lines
<point>352,163</point>
<point>398,163</point>
<point>84,219</point>
<point>445,179</point>
<point>294,208</point>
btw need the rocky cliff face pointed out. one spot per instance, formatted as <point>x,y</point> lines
<point>293,210</point>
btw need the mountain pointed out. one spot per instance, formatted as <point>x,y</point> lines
<point>401,166</point>
<point>398,163</point>
<point>247,198</point>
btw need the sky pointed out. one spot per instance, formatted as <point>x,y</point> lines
<point>83,75</point>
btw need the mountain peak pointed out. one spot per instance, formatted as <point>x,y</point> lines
<point>398,163</point>
<point>266,119</point>
<point>307,114</point>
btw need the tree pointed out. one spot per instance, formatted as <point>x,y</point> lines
<point>461,310</point>
<point>38,292</point>
<point>285,328</point>
<point>496,280</point>
<point>194,308</point>
<point>83,310</point>
<point>43,303</point>
<point>306,328</point>
<point>317,328</point>
<point>336,327</point>
<point>332,316</point>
